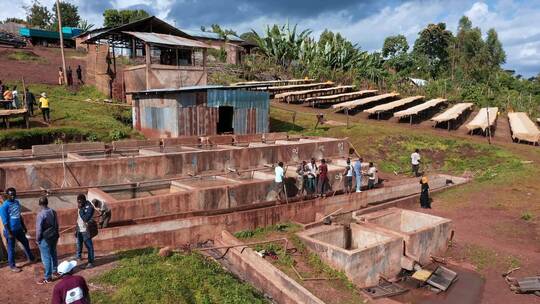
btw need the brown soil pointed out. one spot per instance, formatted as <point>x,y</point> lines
<point>21,287</point>
<point>44,71</point>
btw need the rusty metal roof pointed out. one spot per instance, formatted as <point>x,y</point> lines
<point>165,39</point>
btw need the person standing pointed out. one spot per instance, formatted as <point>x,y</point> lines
<point>1,89</point>
<point>415,162</point>
<point>79,75</point>
<point>14,228</point>
<point>71,288</point>
<point>278,180</point>
<point>84,215</point>
<point>358,174</point>
<point>47,236</point>
<point>44,106</point>
<point>348,173</point>
<point>323,182</point>
<point>60,76</point>
<point>311,177</point>
<point>69,76</point>
<point>104,213</point>
<point>372,176</point>
<point>30,100</point>
<point>302,177</point>
<point>425,201</point>
<point>15,94</point>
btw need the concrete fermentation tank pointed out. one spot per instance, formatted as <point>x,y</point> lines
<point>200,111</point>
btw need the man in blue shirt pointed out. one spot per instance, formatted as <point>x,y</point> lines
<point>14,228</point>
<point>358,173</point>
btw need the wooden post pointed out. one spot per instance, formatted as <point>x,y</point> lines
<point>347,114</point>
<point>148,59</point>
<point>294,117</point>
<point>410,120</point>
<point>59,17</point>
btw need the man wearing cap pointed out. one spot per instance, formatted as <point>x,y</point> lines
<point>84,215</point>
<point>14,228</point>
<point>44,106</point>
<point>71,288</point>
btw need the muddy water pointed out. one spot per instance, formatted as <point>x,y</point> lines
<point>467,289</point>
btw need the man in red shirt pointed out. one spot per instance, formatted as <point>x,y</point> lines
<point>71,289</point>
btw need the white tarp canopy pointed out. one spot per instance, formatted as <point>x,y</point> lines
<point>453,113</point>
<point>303,92</point>
<point>271,82</point>
<point>419,108</point>
<point>301,86</point>
<point>363,101</point>
<point>523,128</point>
<point>338,96</point>
<point>480,121</point>
<point>394,104</point>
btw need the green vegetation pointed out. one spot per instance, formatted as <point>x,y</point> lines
<point>144,277</point>
<point>263,232</point>
<point>73,118</point>
<point>26,56</point>
<point>484,258</point>
<point>461,67</point>
<point>527,216</point>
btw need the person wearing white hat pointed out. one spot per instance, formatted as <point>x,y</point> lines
<point>72,288</point>
<point>44,106</point>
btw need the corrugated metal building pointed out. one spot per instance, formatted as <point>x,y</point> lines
<point>201,111</point>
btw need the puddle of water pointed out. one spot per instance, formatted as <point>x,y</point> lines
<point>466,290</point>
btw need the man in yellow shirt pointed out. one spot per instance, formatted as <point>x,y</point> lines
<point>8,96</point>
<point>44,106</point>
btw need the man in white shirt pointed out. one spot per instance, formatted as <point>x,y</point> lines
<point>372,176</point>
<point>278,180</point>
<point>415,162</point>
<point>349,170</point>
<point>312,177</point>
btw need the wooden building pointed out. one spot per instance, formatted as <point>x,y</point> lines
<point>144,55</point>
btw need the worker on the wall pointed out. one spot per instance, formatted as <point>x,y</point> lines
<point>104,212</point>
<point>372,176</point>
<point>358,174</point>
<point>44,106</point>
<point>323,183</point>
<point>312,168</point>
<point>302,172</point>
<point>348,173</point>
<point>415,162</point>
<point>83,233</point>
<point>14,228</point>
<point>425,201</point>
<point>8,97</point>
<point>279,181</point>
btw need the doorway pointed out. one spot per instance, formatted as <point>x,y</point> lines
<point>225,120</point>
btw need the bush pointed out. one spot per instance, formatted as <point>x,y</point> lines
<point>25,139</point>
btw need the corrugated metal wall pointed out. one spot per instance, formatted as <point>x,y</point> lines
<point>199,120</point>
<point>251,109</point>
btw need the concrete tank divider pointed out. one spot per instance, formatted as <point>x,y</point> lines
<point>362,253</point>
<point>424,234</point>
<point>264,276</point>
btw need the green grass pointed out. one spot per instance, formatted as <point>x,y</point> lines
<point>144,277</point>
<point>527,216</point>
<point>26,56</point>
<point>263,232</point>
<point>484,258</point>
<point>69,110</point>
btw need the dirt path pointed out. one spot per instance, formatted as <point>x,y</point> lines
<point>44,69</point>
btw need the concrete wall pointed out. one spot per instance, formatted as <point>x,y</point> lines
<point>249,266</point>
<point>377,253</point>
<point>425,235</point>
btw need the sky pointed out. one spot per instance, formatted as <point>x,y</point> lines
<point>366,23</point>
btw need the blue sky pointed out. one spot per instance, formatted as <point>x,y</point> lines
<point>366,23</point>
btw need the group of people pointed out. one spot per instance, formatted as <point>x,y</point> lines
<point>69,74</point>
<point>12,100</point>
<point>313,177</point>
<point>71,288</point>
